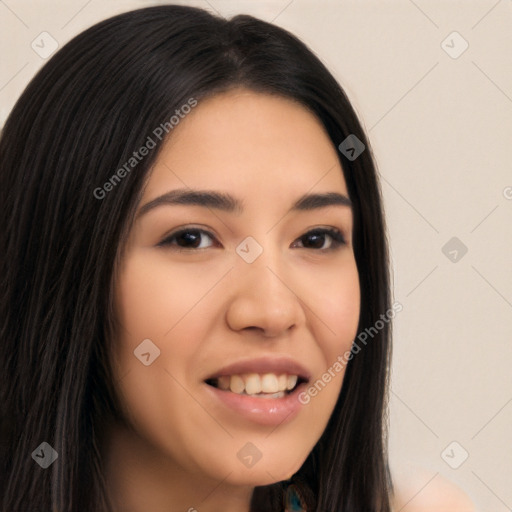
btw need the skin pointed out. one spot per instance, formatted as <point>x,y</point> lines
<point>204,308</point>
<point>419,490</point>
<point>207,307</point>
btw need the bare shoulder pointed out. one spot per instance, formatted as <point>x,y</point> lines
<point>423,492</point>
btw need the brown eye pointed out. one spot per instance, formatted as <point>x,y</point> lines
<point>189,238</point>
<point>316,238</point>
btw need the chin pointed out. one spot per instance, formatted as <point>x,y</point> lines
<point>265,472</point>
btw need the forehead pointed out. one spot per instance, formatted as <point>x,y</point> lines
<point>250,141</point>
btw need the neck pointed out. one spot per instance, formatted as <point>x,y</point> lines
<point>140,477</point>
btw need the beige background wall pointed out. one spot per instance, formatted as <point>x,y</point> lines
<point>440,122</point>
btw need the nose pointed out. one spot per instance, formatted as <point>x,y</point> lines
<point>264,298</point>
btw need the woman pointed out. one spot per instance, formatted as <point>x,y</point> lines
<point>193,239</point>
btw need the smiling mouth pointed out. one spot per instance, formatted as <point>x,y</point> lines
<point>267,385</point>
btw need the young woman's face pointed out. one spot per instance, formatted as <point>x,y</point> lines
<point>212,296</point>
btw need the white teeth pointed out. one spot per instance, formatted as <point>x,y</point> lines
<point>252,384</point>
<point>268,385</point>
<point>236,384</point>
<point>279,394</point>
<point>292,380</point>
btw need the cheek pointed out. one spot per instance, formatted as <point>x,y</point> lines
<point>147,298</point>
<point>335,310</point>
<point>157,301</point>
<point>342,310</point>
<point>333,295</point>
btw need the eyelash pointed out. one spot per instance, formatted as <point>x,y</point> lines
<point>335,234</point>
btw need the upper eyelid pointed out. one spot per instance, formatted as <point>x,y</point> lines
<point>189,228</point>
<point>208,232</point>
<point>213,236</point>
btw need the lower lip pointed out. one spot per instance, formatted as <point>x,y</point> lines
<point>264,411</point>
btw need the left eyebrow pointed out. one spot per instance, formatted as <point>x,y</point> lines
<point>226,202</point>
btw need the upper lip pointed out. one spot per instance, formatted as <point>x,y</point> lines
<point>262,365</point>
